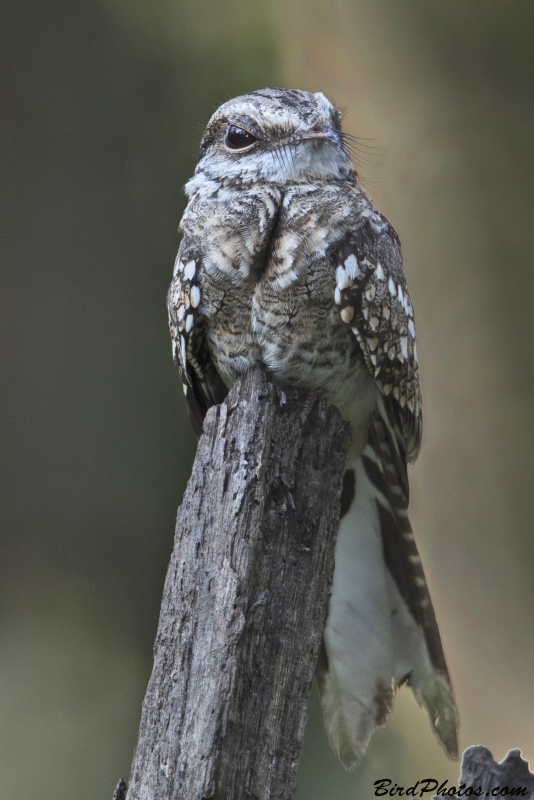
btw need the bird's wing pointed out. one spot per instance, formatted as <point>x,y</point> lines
<point>202,384</point>
<point>381,630</point>
<point>373,299</point>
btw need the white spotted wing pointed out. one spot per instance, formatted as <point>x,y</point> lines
<point>373,299</point>
<point>201,383</point>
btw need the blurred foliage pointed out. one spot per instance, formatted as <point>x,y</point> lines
<point>103,105</point>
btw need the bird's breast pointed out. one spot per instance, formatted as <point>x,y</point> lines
<point>268,285</point>
<point>233,228</point>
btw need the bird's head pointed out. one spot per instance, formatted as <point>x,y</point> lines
<point>276,135</point>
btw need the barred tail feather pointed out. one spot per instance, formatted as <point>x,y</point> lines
<point>381,630</point>
<point>433,691</point>
<point>430,684</point>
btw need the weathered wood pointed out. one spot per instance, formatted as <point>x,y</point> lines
<point>482,776</point>
<point>120,790</point>
<point>245,601</point>
<point>511,776</point>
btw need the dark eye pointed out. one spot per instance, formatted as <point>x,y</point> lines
<point>237,138</point>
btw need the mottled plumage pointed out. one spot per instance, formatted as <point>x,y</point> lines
<point>284,260</point>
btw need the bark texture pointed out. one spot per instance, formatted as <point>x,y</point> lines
<point>482,776</point>
<point>245,601</point>
<point>479,769</point>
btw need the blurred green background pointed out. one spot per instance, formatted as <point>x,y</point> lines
<point>102,108</point>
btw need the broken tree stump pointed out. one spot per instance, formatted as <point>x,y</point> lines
<point>245,601</point>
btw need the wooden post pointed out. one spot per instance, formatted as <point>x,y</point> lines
<point>245,601</point>
<point>482,776</point>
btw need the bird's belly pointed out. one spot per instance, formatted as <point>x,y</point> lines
<point>304,344</point>
<point>297,334</point>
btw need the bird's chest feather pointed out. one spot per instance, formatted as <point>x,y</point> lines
<point>268,283</point>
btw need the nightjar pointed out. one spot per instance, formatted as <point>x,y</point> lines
<point>284,260</point>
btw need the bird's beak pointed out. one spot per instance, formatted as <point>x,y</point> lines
<point>320,135</point>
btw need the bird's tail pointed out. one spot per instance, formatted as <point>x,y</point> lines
<point>381,630</point>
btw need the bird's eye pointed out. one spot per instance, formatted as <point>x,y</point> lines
<point>237,138</point>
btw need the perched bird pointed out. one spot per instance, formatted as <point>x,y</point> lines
<point>284,260</point>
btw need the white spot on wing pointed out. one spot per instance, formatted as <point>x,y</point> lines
<point>347,313</point>
<point>374,323</point>
<point>195,296</point>
<point>391,287</point>
<point>188,323</point>
<point>189,270</point>
<point>342,278</point>
<point>351,265</point>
